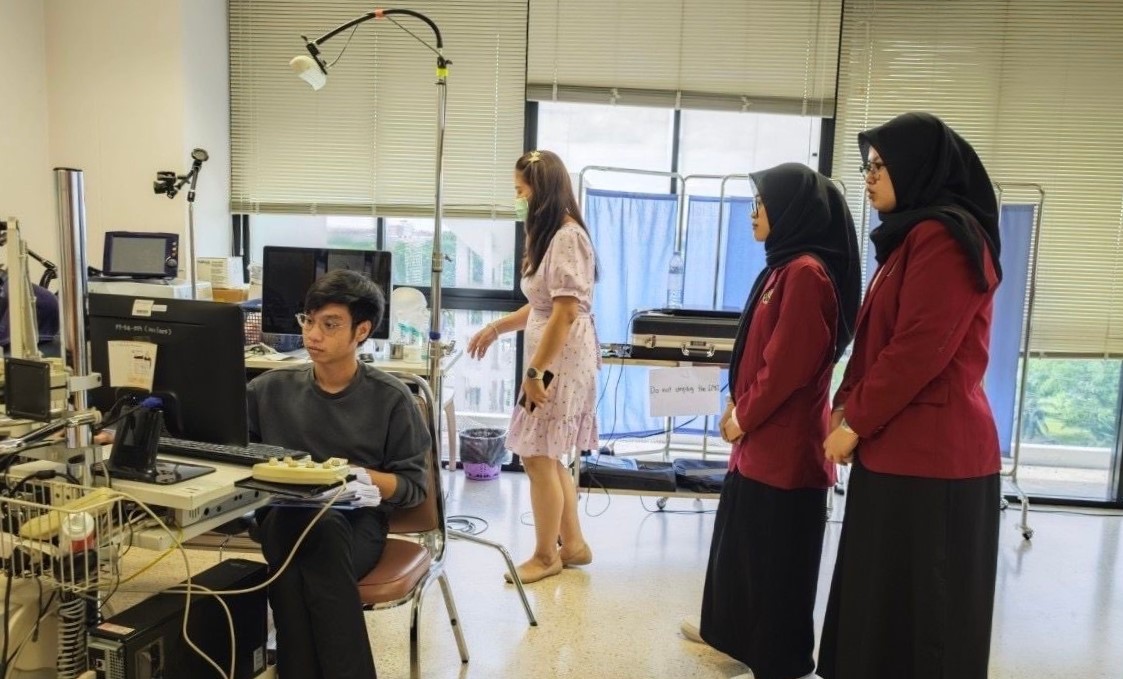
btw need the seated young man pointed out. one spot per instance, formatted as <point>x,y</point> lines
<point>335,407</point>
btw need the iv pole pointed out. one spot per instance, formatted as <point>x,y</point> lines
<point>314,70</point>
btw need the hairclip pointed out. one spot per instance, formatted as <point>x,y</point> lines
<point>534,157</point>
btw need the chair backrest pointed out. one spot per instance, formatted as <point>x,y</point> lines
<point>429,515</point>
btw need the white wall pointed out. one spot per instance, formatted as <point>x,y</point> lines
<point>133,86</point>
<point>26,181</point>
<point>206,117</point>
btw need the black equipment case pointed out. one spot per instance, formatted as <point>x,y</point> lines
<point>625,473</point>
<point>696,335</point>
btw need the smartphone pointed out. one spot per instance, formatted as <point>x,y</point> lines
<point>547,377</point>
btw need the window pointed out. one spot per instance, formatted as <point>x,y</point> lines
<point>479,254</point>
<point>487,386</point>
<point>311,231</point>
<point>618,136</point>
<point>1070,427</point>
<point>725,142</point>
<point>473,398</point>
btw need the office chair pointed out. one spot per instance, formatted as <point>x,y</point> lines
<point>407,568</point>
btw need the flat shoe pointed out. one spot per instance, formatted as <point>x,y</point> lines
<point>582,558</point>
<point>529,575</point>
<point>689,628</point>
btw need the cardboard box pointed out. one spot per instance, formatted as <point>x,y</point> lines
<point>234,294</point>
<point>222,272</point>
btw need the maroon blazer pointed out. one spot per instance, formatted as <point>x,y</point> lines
<point>913,388</point>
<point>784,380</point>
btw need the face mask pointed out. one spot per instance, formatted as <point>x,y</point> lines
<point>522,209</point>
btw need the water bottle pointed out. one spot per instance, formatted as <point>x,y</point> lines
<point>675,280</point>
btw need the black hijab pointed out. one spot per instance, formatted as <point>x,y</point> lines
<point>808,216</point>
<point>936,175</point>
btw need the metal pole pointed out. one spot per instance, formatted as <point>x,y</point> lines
<point>1023,349</point>
<point>436,346</point>
<point>71,204</point>
<point>192,274</point>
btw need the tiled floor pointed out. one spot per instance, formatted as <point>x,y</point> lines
<point>1059,609</point>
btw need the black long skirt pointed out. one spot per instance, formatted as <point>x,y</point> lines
<point>759,599</point>
<point>913,588</point>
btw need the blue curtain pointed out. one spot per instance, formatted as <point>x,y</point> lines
<point>634,237</point>
<point>634,234</point>
<point>1001,381</point>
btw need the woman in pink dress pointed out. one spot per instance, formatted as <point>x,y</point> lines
<point>559,268</point>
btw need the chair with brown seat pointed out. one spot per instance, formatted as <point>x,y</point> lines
<point>408,566</point>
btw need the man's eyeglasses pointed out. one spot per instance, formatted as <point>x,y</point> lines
<point>329,326</point>
<point>872,168</point>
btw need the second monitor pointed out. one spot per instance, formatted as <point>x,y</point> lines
<point>288,272</point>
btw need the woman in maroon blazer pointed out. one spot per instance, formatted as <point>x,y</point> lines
<point>768,533</point>
<point>913,588</point>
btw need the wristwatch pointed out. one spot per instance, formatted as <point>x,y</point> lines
<point>533,374</point>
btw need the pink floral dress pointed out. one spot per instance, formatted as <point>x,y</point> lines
<point>569,419</point>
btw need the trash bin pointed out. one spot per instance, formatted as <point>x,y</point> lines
<point>482,450</point>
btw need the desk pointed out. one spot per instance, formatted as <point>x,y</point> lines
<point>191,494</point>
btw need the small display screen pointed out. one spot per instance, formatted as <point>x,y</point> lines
<point>27,389</point>
<point>128,254</point>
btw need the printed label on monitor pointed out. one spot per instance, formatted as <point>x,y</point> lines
<point>142,307</point>
<point>132,364</point>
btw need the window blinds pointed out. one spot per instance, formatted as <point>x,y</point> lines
<point>365,144</point>
<point>1037,88</point>
<point>774,56</point>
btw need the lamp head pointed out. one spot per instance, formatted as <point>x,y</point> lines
<point>310,67</point>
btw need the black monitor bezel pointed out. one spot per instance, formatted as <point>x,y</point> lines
<point>321,256</point>
<point>216,362</point>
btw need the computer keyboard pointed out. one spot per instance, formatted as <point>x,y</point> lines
<point>218,452</point>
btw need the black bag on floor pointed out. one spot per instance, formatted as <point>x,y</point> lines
<point>625,473</point>
<point>700,476</point>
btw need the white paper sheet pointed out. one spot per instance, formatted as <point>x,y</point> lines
<point>684,391</point>
<point>132,364</point>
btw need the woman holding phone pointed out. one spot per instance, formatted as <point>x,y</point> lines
<point>557,409</point>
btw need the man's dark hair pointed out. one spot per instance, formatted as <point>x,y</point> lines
<point>361,295</point>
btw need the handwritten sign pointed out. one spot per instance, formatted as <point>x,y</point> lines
<point>684,391</point>
<point>132,364</point>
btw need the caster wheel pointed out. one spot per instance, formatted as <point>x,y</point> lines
<point>661,503</point>
<point>1027,533</point>
<point>1003,504</point>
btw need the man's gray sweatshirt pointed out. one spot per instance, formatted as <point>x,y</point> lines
<point>373,423</point>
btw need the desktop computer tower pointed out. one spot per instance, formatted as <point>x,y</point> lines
<point>146,641</point>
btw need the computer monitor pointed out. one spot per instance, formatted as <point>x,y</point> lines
<point>288,272</point>
<point>199,372</point>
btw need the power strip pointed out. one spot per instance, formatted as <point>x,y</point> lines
<point>239,498</point>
